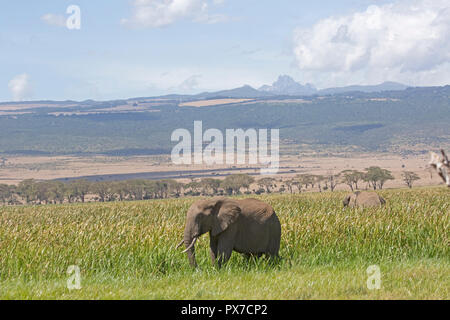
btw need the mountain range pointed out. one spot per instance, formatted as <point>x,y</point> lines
<point>287,86</point>
<point>410,120</point>
<point>385,117</point>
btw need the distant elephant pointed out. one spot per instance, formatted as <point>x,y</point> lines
<point>363,199</point>
<point>247,226</point>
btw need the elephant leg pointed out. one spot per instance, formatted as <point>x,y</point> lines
<point>213,249</point>
<point>224,250</point>
<point>273,250</point>
<point>223,256</point>
<point>273,255</point>
<point>274,242</point>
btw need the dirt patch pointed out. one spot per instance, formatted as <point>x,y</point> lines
<point>15,169</point>
<point>215,102</point>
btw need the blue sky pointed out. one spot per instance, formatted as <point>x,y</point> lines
<point>128,48</point>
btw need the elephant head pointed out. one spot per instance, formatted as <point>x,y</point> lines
<point>214,216</point>
<point>350,198</point>
<point>346,200</point>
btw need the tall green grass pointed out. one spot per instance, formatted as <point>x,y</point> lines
<point>129,247</point>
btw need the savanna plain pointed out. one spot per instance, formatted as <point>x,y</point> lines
<point>126,250</point>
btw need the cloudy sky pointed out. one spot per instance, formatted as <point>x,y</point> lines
<point>129,48</point>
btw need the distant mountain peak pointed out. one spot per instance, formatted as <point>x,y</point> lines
<point>246,91</point>
<point>285,85</point>
<point>283,78</point>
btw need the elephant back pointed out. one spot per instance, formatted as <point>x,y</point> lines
<point>369,199</point>
<point>256,209</point>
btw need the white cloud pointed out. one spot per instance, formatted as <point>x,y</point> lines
<point>189,84</point>
<point>405,41</point>
<point>20,87</point>
<point>54,19</point>
<point>124,79</point>
<point>159,13</point>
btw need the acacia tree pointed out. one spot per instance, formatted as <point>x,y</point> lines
<point>27,189</point>
<point>120,188</point>
<point>44,192</point>
<point>5,193</point>
<point>162,188</point>
<point>154,189</point>
<point>70,192</point>
<point>291,183</point>
<point>104,191</point>
<point>318,180</point>
<point>306,180</point>
<point>377,177</point>
<point>136,189</point>
<point>266,183</point>
<point>245,180</point>
<point>409,177</point>
<point>232,184</point>
<point>175,188</point>
<point>195,187</point>
<point>332,180</point>
<point>210,185</point>
<point>57,191</point>
<point>351,178</point>
<point>81,188</point>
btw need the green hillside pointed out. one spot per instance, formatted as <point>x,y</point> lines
<point>415,119</point>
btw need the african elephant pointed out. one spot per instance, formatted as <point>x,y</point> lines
<point>363,199</point>
<point>247,226</point>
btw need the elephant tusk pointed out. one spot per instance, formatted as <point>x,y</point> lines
<point>179,245</point>
<point>191,245</point>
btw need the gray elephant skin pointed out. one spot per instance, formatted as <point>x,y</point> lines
<point>363,199</point>
<point>247,226</point>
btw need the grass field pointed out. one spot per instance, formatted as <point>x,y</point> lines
<point>126,251</point>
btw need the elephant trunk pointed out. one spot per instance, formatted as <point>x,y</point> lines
<point>190,237</point>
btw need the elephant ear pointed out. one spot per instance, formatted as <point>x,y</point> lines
<point>346,201</point>
<point>227,212</point>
